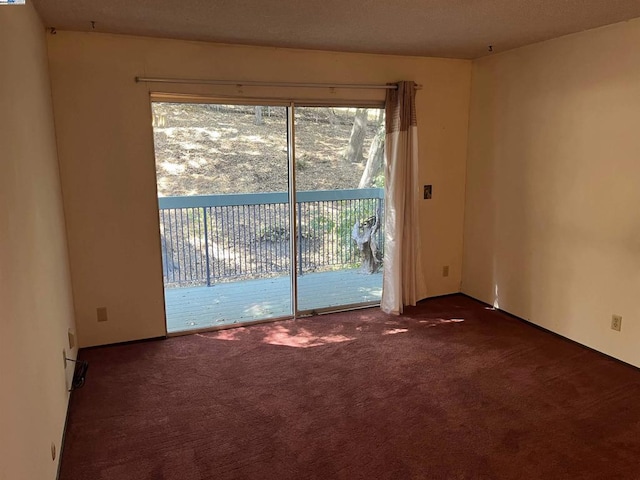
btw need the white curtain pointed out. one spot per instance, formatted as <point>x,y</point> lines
<point>402,268</point>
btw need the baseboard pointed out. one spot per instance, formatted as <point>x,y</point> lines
<point>126,342</point>
<point>539,327</point>
<point>64,434</point>
<point>444,295</point>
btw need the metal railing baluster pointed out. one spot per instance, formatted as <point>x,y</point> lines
<point>216,257</point>
<point>175,251</point>
<point>206,245</point>
<point>188,246</point>
<point>299,238</point>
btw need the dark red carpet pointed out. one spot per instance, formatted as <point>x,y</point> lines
<point>451,390</point>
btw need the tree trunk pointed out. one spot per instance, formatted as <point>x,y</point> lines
<point>365,237</point>
<point>375,160</point>
<point>258,120</point>
<point>353,152</point>
<point>332,119</point>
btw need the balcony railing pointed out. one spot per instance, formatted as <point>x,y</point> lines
<point>216,238</point>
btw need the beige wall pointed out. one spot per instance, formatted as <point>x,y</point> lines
<point>552,227</point>
<point>35,290</point>
<point>108,175</point>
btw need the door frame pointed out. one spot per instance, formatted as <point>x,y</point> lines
<point>290,106</point>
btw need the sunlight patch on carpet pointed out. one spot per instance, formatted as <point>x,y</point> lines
<point>394,331</point>
<point>303,338</point>
<point>434,322</point>
<point>232,334</point>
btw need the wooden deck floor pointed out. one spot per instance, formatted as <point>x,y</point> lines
<point>196,308</point>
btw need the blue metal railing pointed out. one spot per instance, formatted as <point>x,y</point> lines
<point>215,238</point>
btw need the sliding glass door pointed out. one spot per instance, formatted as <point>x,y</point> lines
<point>222,176</point>
<point>267,211</point>
<point>339,205</point>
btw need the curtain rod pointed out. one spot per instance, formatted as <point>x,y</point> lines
<point>268,84</point>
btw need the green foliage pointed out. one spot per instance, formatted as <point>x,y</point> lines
<point>321,223</point>
<point>274,234</point>
<point>302,162</point>
<point>378,180</point>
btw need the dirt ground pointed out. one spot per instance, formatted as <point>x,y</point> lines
<point>212,149</point>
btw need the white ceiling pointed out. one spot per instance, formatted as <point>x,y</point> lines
<point>440,28</point>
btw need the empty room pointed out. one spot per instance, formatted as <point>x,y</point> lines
<point>319,240</point>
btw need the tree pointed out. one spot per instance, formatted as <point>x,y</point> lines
<point>258,120</point>
<point>332,118</point>
<point>375,160</point>
<point>353,153</point>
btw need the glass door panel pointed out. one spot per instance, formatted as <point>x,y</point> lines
<point>222,176</point>
<point>339,156</point>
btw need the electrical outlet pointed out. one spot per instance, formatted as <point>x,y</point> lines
<point>616,322</point>
<point>102,314</point>
<point>445,271</point>
<point>64,358</point>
